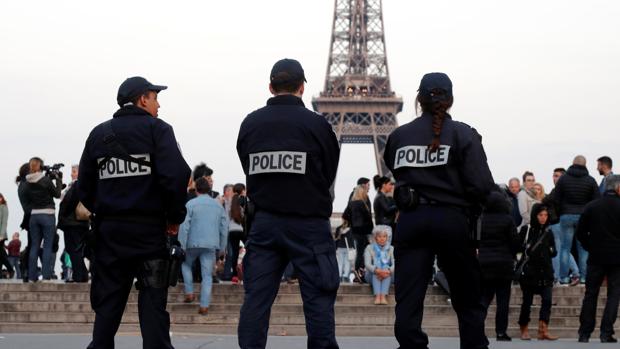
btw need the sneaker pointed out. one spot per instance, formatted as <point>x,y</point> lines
<point>203,311</point>
<point>189,298</point>
<point>583,339</point>
<point>574,281</point>
<point>235,280</point>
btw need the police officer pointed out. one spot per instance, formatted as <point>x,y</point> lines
<point>442,174</point>
<point>290,156</point>
<point>133,178</point>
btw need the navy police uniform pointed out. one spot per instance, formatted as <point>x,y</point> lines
<point>133,204</point>
<point>450,181</point>
<point>290,156</point>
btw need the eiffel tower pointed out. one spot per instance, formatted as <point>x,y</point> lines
<point>357,99</point>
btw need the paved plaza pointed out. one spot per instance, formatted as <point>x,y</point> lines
<point>67,341</point>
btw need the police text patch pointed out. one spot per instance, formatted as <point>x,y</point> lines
<point>117,168</point>
<point>421,156</point>
<point>278,162</point>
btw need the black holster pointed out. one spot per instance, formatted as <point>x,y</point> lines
<point>153,273</point>
<point>406,198</point>
<point>249,212</point>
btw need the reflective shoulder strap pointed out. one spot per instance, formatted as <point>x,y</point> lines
<point>116,149</point>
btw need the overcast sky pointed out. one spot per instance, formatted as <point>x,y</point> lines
<point>538,79</point>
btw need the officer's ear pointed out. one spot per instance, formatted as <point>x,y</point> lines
<point>301,89</point>
<point>273,92</point>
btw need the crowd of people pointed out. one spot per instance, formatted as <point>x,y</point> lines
<point>537,239</point>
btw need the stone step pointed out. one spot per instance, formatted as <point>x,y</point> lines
<point>284,298</point>
<point>287,330</point>
<point>221,308</point>
<point>228,288</point>
<point>278,319</point>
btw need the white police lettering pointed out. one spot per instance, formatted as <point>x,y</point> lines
<point>278,162</point>
<point>117,168</point>
<point>420,156</point>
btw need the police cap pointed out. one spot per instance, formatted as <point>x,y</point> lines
<point>433,81</point>
<point>133,87</point>
<point>289,66</point>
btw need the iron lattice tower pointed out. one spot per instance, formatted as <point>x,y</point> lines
<point>357,99</point>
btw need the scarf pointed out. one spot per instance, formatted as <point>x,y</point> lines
<point>382,258</point>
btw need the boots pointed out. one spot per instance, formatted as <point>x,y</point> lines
<point>525,334</point>
<point>543,332</point>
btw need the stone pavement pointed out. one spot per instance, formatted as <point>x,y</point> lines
<point>67,341</point>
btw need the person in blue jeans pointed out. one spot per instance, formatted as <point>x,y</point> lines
<point>573,269</point>
<point>379,263</point>
<point>40,193</point>
<point>204,231</point>
<point>573,191</point>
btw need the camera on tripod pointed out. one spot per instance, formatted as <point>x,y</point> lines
<point>54,170</point>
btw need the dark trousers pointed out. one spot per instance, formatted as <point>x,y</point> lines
<point>545,293</point>
<point>235,238</point>
<point>421,235</point>
<point>594,278</point>
<point>500,289</point>
<point>74,247</point>
<point>361,241</point>
<point>4,259</point>
<point>114,269</point>
<point>274,240</point>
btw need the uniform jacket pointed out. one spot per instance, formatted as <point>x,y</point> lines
<point>499,242</point>
<point>575,189</point>
<point>457,174</point>
<point>205,225</point>
<point>539,269</point>
<point>385,209</point>
<point>599,230</point>
<point>124,188</point>
<point>290,157</point>
<point>41,191</point>
<point>514,208</point>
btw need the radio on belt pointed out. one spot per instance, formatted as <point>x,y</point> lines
<point>278,162</point>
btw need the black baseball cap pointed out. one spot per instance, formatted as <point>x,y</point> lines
<point>133,87</point>
<point>433,81</point>
<point>289,66</point>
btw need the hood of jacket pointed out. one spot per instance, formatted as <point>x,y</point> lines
<point>577,171</point>
<point>536,209</point>
<point>497,203</point>
<point>34,177</point>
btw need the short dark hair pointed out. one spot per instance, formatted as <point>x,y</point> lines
<point>134,99</point>
<point>202,185</point>
<point>605,160</point>
<point>559,169</point>
<point>201,170</point>
<point>283,82</point>
<point>527,174</point>
<point>362,180</point>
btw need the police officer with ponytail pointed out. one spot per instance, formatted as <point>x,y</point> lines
<point>442,178</point>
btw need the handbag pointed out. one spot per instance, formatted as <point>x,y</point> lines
<point>81,212</point>
<point>351,252</point>
<point>522,262</point>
